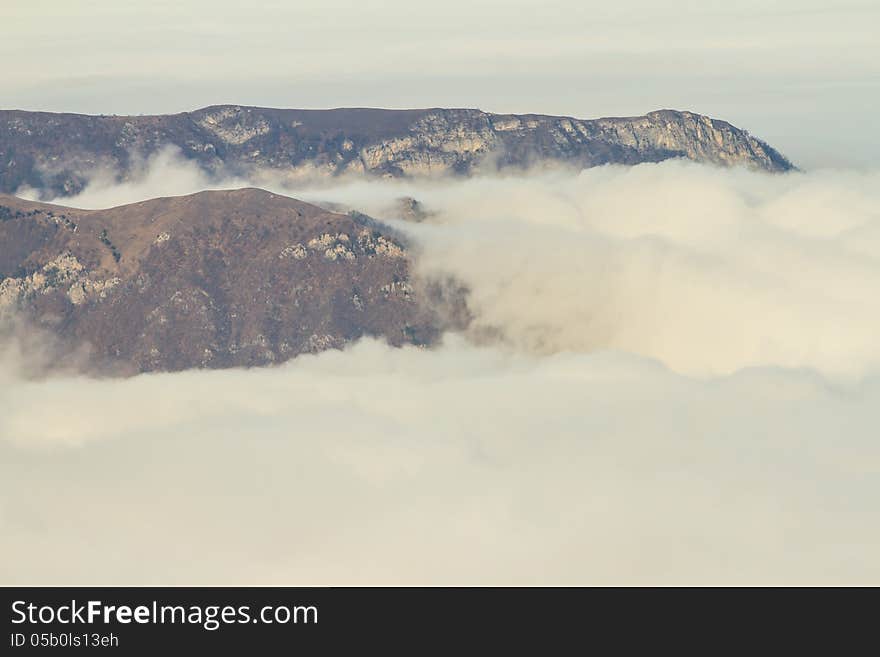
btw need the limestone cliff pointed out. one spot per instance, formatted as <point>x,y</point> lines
<point>56,153</point>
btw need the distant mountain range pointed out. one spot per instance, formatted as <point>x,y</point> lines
<point>214,279</point>
<point>56,153</point>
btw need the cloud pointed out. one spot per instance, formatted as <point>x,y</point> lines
<point>707,270</point>
<point>672,377</point>
<point>458,465</point>
<point>164,173</point>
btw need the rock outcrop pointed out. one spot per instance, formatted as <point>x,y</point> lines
<point>57,153</point>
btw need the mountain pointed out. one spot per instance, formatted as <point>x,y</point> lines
<point>214,279</point>
<point>56,153</point>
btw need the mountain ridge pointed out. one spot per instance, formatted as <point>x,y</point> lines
<point>215,279</point>
<point>56,153</point>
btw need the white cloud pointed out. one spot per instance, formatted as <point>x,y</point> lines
<point>686,392</point>
<point>460,465</point>
<point>707,270</point>
<point>164,173</point>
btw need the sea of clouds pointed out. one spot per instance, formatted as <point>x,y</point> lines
<point>672,376</point>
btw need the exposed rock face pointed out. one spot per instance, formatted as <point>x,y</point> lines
<point>57,152</point>
<point>215,279</point>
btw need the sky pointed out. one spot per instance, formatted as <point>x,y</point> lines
<point>802,74</point>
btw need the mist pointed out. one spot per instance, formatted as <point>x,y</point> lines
<point>671,377</point>
<point>705,269</point>
<point>460,465</point>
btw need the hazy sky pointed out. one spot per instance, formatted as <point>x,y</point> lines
<point>802,74</point>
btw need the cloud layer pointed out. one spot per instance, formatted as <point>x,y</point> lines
<point>672,378</point>
<point>461,465</point>
<point>706,270</point>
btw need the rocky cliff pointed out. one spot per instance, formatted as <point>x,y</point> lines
<point>215,279</point>
<point>57,153</point>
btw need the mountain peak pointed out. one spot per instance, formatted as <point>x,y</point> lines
<point>214,279</point>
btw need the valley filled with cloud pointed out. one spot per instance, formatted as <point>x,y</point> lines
<point>672,375</point>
